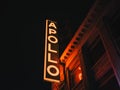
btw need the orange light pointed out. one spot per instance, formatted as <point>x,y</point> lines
<point>79,68</point>
<point>80,76</point>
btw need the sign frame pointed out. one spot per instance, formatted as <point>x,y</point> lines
<point>51,55</point>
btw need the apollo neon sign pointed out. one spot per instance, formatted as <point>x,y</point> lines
<point>51,68</point>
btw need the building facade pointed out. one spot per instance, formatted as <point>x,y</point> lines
<point>91,60</point>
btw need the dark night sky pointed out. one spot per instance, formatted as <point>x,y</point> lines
<point>23,25</point>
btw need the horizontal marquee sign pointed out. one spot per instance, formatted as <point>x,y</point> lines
<point>51,68</point>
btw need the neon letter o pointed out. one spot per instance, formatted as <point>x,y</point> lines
<point>53,74</point>
<point>55,39</point>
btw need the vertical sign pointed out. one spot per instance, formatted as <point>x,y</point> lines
<point>51,69</point>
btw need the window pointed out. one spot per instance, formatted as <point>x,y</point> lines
<point>108,82</point>
<point>113,27</point>
<point>115,33</point>
<point>94,50</point>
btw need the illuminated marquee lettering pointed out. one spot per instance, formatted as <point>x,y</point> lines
<point>51,69</point>
<point>50,60</point>
<point>52,39</point>
<point>49,48</point>
<point>52,31</point>
<point>52,24</point>
<point>54,67</point>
